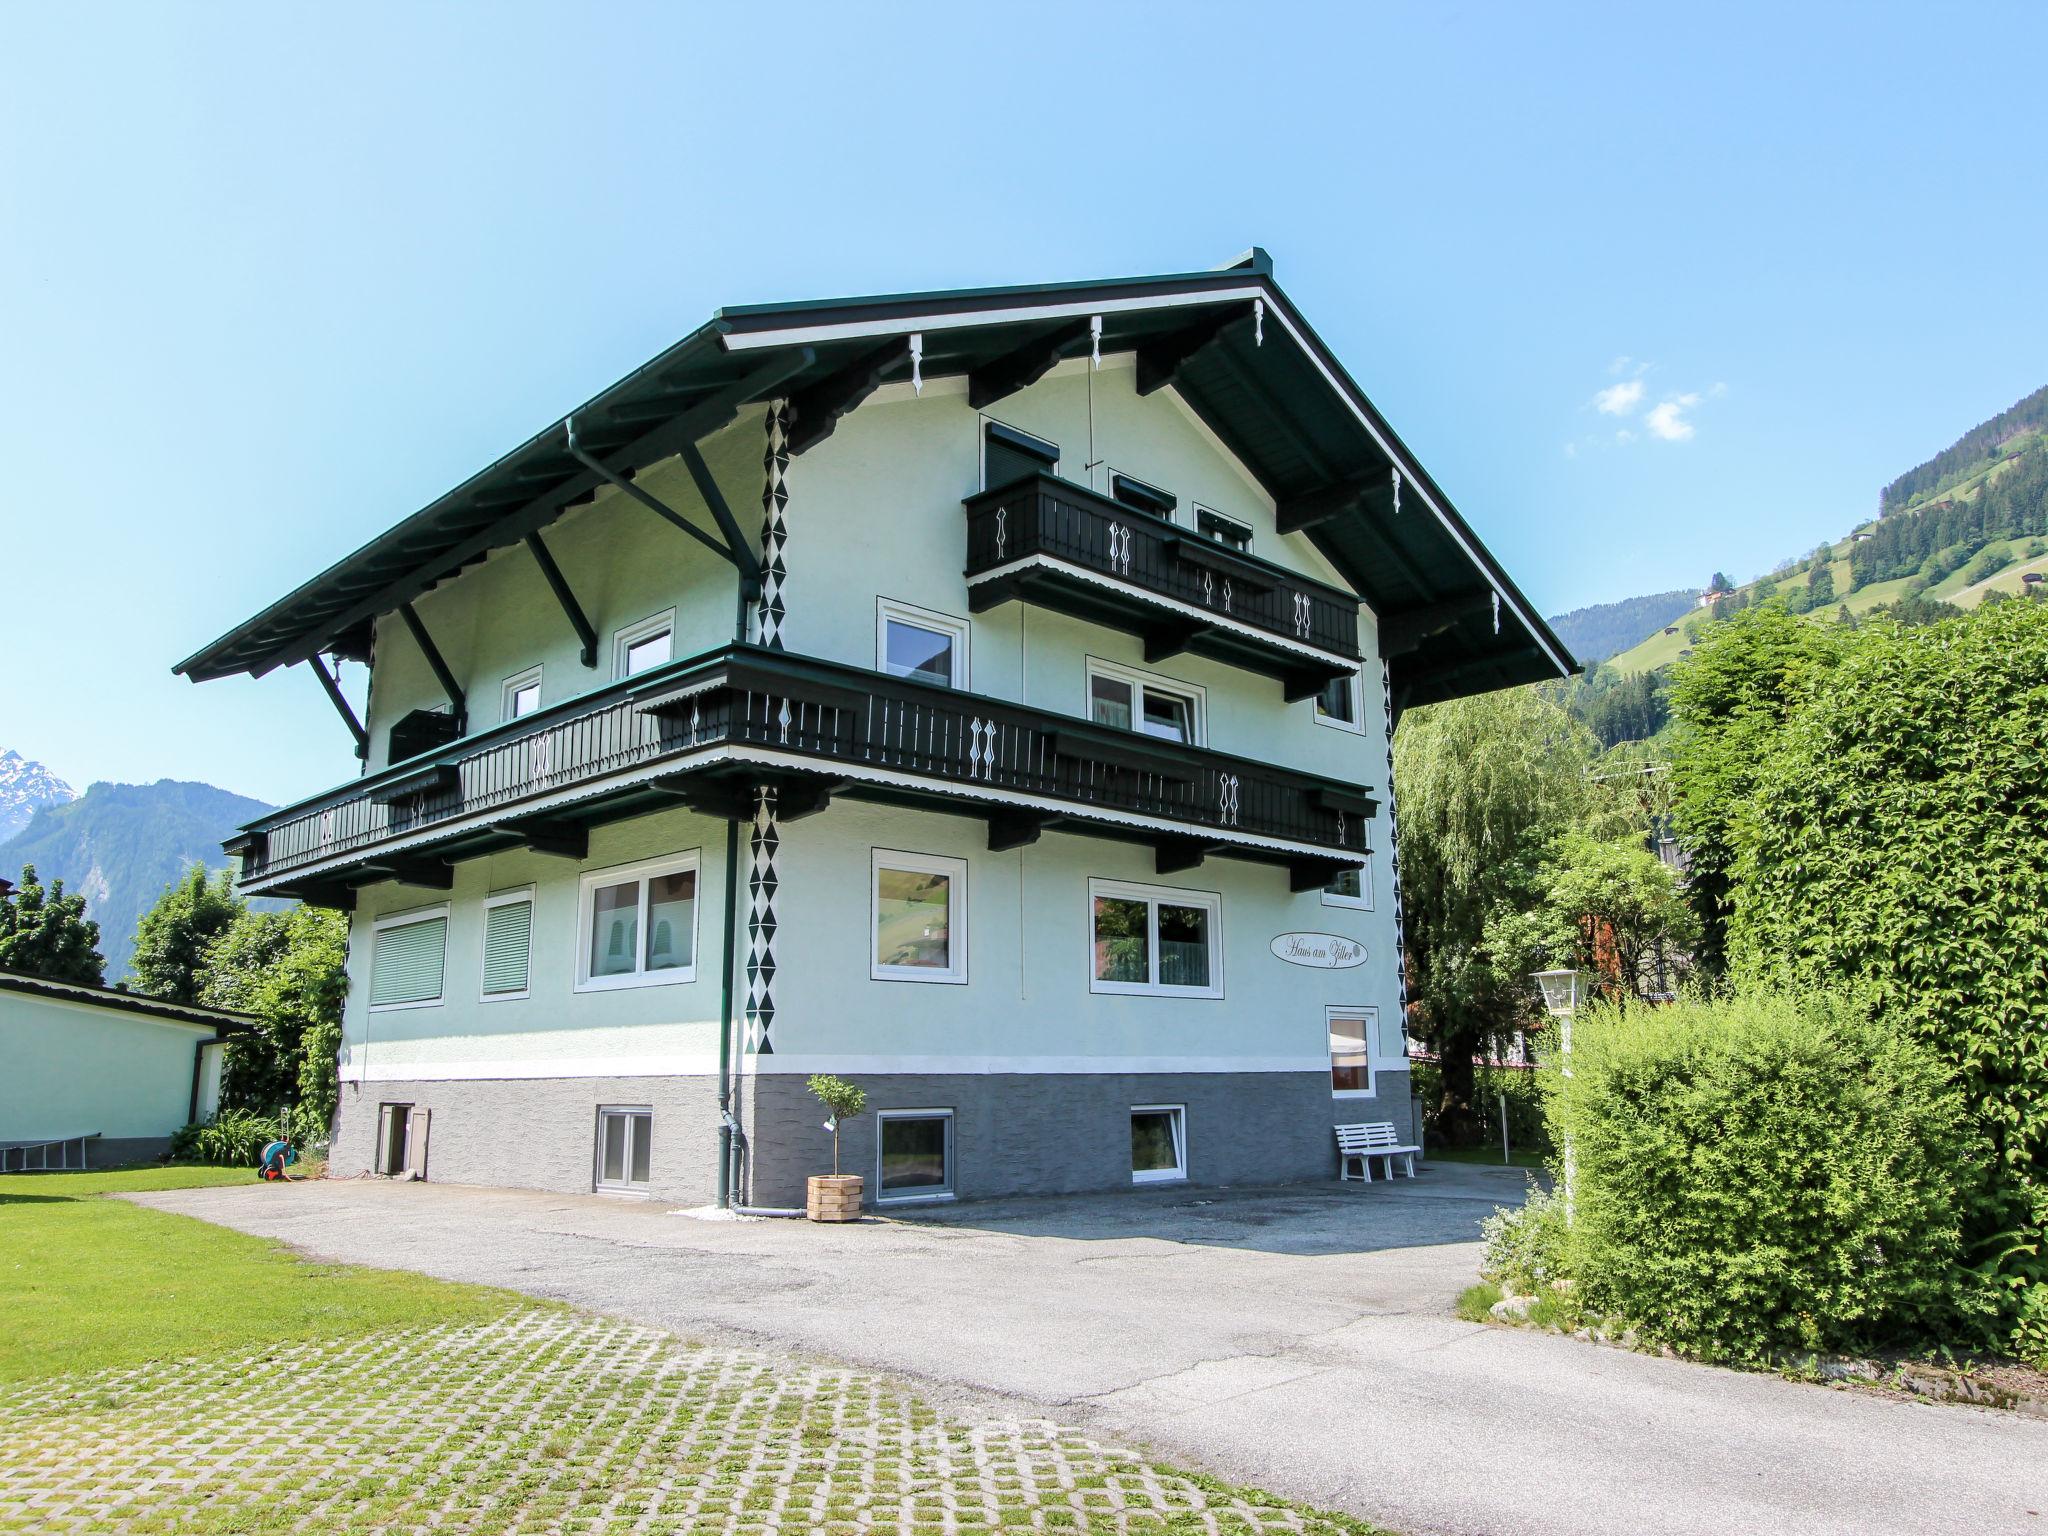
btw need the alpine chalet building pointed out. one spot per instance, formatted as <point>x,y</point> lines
<point>983,696</point>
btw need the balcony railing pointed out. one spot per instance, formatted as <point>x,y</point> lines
<point>752,715</point>
<point>1031,538</point>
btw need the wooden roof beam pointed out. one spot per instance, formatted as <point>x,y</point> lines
<point>815,410</point>
<point>1160,363</point>
<point>1023,366</point>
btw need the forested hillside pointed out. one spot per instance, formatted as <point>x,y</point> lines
<point>1974,452</point>
<point>1598,632</point>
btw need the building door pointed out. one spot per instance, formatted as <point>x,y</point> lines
<point>402,1140</point>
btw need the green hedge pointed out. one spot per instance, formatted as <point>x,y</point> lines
<point>1762,1175</point>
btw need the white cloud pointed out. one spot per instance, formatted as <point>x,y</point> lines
<point>1666,419</point>
<point>1619,399</point>
<point>1624,436</point>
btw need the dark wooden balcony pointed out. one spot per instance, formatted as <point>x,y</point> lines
<point>705,731</point>
<point>1048,541</point>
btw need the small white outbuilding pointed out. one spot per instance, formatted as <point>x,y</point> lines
<point>92,1077</point>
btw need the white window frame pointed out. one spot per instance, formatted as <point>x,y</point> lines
<point>406,920</point>
<point>1362,902</point>
<point>981,444</point>
<point>922,1197</point>
<point>1196,695</point>
<point>1179,1172</point>
<point>624,1186</point>
<point>955,871</point>
<point>959,631</point>
<point>1371,1016</point>
<point>644,872</point>
<point>1171,895</point>
<point>530,678</point>
<point>1250,533</point>
<point>623,640</point>
<point>1113,474</point>
<point>1356,724</point>
<point>504,899</point>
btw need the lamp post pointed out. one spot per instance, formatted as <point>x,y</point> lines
<point>1561,992</point>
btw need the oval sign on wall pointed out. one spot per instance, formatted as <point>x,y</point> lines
<point>1322,951</point>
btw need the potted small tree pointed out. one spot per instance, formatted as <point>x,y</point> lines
<point>835,1196</point>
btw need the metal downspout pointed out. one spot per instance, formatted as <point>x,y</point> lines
<point>727,1123</point>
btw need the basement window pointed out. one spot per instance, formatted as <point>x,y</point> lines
<point>1159,1143</point>
<point>915,1156</point>
<point>625,1149</point>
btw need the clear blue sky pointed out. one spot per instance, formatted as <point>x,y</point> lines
<point>273,277</point>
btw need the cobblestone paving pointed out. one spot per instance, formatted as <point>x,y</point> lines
<point>552,1422</point>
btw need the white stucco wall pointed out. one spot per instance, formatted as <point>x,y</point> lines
<point>71,1069</point>
<point>1026,1005</point>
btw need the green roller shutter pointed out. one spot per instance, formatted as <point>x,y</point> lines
<point>508,930</point>
<point>406,967</point>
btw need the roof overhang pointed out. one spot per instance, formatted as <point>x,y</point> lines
<point>1229,342</point>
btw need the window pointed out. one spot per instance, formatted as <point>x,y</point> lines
<point>521,695</point>
<point>1155,940</point>
<point>1352,888</point>
<point>508,944</point>
<point>1338,703</point>
<point>1224,530</point>
<point>639,925</point>
<point>639,647</point>
<point>1138,701</point>
<point>625,1143</point>
<point>1159,1143</point>
<point>406,956</point>
<point>1007,454</point>
<point>1351,1042</point>
<point>915,642</point>
<point>915,1157</point>
<point>920,918</point>
<point>1140,497</point>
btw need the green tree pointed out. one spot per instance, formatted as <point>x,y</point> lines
<point>1613,908</point>
<point>1720,583</point>
<point>1483,784</point>
<point>1820,585</point>
<point>1891,841</point>
<point>1731,699</point>
<point>46,933</point>
<point>289,969</point>
<point>173,937</point>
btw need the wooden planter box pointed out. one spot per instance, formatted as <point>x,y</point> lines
<point>834,1197</point>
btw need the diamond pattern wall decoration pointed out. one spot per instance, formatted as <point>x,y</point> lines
<point>773,610</point>
<point>762,884</point>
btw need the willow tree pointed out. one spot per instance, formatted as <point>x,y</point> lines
<point>1484,787</point>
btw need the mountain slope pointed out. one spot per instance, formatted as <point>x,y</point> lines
<point>25,787</point>
<point>1598,632</point>
<point>121,844</point>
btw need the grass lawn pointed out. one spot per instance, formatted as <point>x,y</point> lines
<point>1484,1154</point>
<point>91,1282</point>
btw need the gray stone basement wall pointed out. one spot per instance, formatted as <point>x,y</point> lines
<point>539,1133</point>
<point>1019,1134</point>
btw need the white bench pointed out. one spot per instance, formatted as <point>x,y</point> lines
<point>1360,1144</point>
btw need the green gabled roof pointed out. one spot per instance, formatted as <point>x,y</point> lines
<point>1230,341</point>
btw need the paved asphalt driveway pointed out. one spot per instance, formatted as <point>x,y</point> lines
<point>1300,1340</point>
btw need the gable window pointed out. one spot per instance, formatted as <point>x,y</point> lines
<point>915,1156</point>
<point>648,644</point>
<point>1140,497</point>
<point>1351,1040</point>
<point>1224,530</point>
<point>625,1149</point>
<point>1138,701</point>
<point>918,643</point>
<point>1338,703</point>
<point>521,695</point>
<point>1351,888</point>
<point>638,925</point>
<point>920,918</point>
<point>407,955</point>
<point>1159,1143</point>
<point>1155,941</point>
<point>508,944</point>
<point>1007,455</point>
